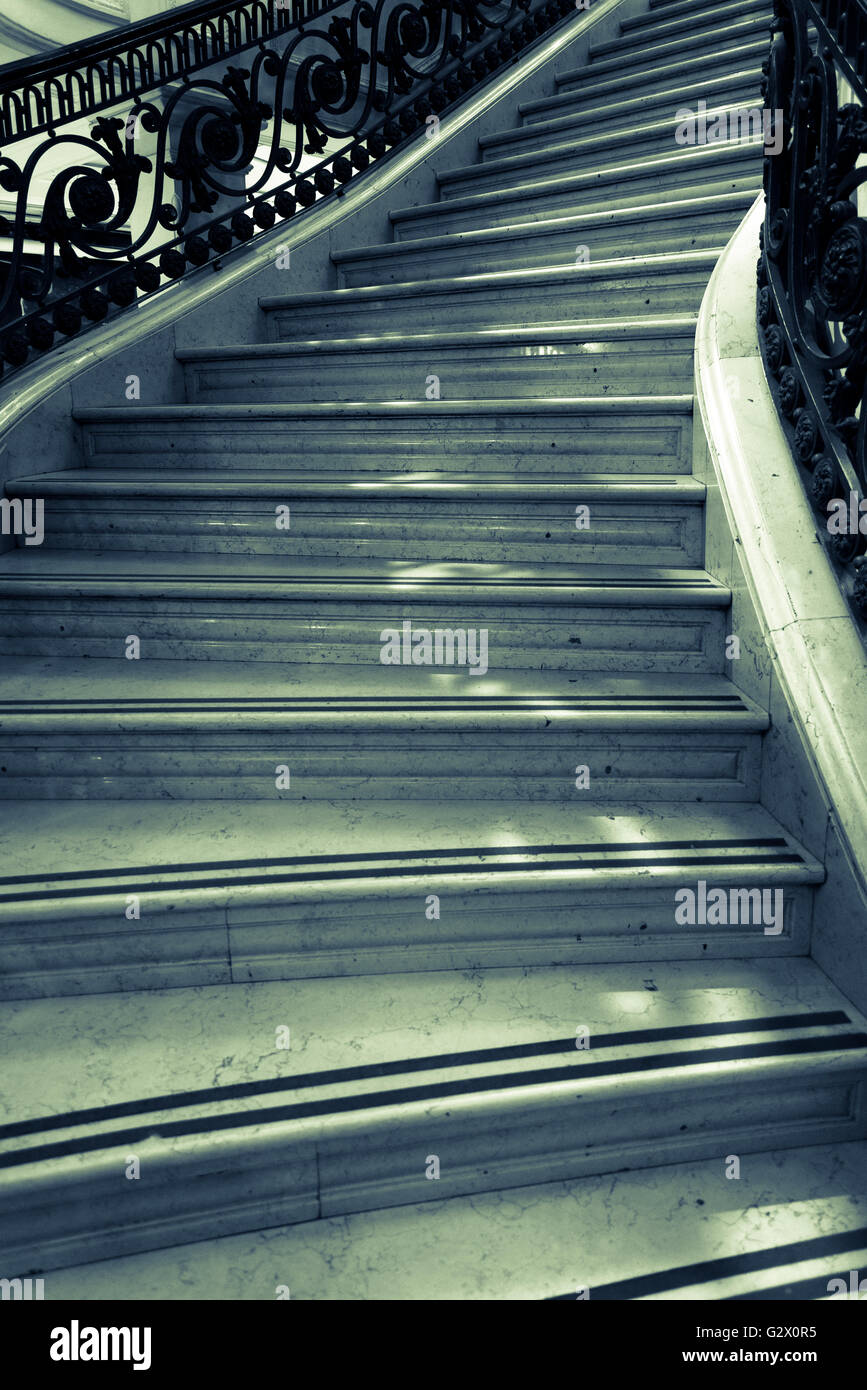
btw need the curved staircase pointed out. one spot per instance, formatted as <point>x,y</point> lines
<point>282,924</point>
<point>28,27</point>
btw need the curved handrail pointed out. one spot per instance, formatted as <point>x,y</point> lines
<point>95,73</point>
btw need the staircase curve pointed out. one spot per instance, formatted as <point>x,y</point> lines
<point>389,906</point>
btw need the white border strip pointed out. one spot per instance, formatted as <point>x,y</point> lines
<point>817,653</point>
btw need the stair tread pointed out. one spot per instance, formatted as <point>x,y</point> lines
<point>100,847</point>
<point>108,571</point>
<point>496,1033</point>
<point>685,1241</point>
<point>164,695</point>
<point>95,483</point>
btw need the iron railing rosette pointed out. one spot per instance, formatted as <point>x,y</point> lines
<point>149,136</point>
<point>812,273</point>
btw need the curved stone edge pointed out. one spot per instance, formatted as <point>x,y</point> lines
<point>811,647</point>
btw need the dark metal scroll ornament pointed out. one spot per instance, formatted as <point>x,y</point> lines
<point>142,155</point>
<point>812,273</point>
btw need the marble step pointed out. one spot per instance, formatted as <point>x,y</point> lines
<point>549,1242</point>
<point>686,13</point>
<point>743,87</point>
<point>652,286</point>
<point>374,734</point>
<point>639,52</point>
<point>580,359</point>
<point>644,131</point>
<point>423,517</point>
<point>231,892</point>
<point>680,225</point>
<point>481,1077</point>
<point>505,175</point>
<point>618,435</point>
<point>182,607</point>
<point>599,80</point>
<point>700,171</point>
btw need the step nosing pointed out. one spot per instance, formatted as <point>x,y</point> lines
<point>828,1018</point>
<point>574,1073</point>
<point>675,325</point>
<point>528,405</point>
<point>704,855</point>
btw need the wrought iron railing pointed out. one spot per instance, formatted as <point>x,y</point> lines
<point>143,154</point>
<point>812,273</point>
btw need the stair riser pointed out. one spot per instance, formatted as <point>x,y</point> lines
<point>688,231</point>
<point>641,136</point>
<point>599,79</point>
<point>669,535</point>
<point>583,293</point>
<point>506,175</point>
<point>412,763</point>
<point>737,88</point>
<point>486,371</point>
<point>575,923</point>
<point>520,637</point>
<point>568,443</point>
<point>208,1184</point>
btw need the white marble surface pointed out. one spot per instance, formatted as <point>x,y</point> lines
<point>801,642</point>
<point>530,1243</point>
<point>174,1041</point>
<point>435,1088</point>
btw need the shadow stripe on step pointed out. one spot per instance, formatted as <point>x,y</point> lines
<point>179,705</point>
<point>802,1291</point>
<point>727,1266</point>
<point>517,862</point>
<point>437,1090</point>
<point>375,857</point>
<point>304,1080</point>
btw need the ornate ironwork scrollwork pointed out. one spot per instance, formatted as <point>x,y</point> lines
<point>143,155</point>
<point>812,282</point>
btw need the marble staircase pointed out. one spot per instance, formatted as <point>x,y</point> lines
<point>290,934</point>
<point>29,27</point>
